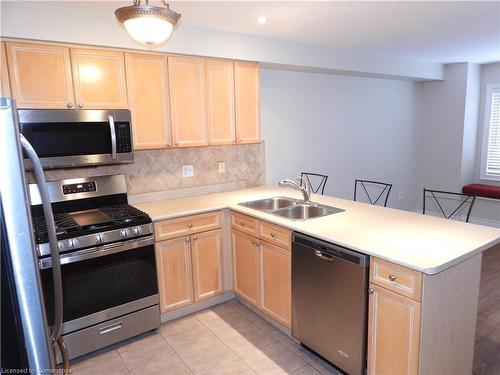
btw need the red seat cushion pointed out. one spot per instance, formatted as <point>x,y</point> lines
<point>482,190</point>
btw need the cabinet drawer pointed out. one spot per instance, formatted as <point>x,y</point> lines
<point>396,278</point>
<point>275,234</point>
<point>244,223</point>
<point>185,226</point>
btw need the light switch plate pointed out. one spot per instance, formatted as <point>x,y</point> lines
<point>187,171</point>
<point>222,167</point>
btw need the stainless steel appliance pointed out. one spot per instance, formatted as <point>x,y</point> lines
<point>27,342</point>
<point>71,138</point>
<point>330,301</point>
<point>106,250</point>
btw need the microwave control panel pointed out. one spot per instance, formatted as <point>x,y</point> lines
<point>83,187</point>
<point>123,141</point>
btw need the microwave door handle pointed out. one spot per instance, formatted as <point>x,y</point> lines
<point>112,130</point>
<point>51,231</point>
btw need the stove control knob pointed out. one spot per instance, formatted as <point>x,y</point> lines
<point>124,233</point>
<point>99,238</point>
<point>137,231</point>
<point>60,245</point>
<point>72,243</point>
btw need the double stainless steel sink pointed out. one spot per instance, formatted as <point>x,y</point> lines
<point>294,209</point>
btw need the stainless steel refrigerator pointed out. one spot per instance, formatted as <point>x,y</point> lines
<point>27,341</point>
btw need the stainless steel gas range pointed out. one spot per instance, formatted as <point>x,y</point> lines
<point>106,248</point>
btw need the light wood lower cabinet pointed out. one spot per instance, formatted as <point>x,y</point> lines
<point>190,268</point>
<point>393,333</point>
<point>246,258</point>
<point>175,274</point>
<point>206,257</point>
<point>4,73</point>
<point>276,282</point>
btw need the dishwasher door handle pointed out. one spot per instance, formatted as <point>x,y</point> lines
<point>323,256</point>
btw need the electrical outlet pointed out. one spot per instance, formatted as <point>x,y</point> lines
<point>187,171</point>
<point>222,167</point>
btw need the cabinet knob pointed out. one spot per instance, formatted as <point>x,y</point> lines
<point>195,238</point>
<point>176,143</point>
<point>371,290</point>
<point>70,105</point>
<point>188,240</point>
<point>190,225</point>
<point>80,105</point>
<point>273,235</point>
<point>253,242</point>
<point>242,223</point>
<point>392,277</point>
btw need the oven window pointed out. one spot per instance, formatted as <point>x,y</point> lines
<point>97,284</point>
<point>63,139</point>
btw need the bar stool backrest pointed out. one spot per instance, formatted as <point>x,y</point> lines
<point>439,196</point>
<point>316,181</point>
<point>373,198</point>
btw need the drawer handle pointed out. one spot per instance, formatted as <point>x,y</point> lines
<point>190,225</point>
<point>242,223</point>
<point>273,235</point>
<point>110,328</point>
<point>323,256</point>
<point>392,277</point>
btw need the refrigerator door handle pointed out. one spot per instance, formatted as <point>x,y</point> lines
<point>51,230</point>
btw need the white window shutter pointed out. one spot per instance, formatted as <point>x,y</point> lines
<point>493,145</point>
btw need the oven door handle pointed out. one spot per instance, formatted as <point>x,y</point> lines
<point>112,130</point>
<point>97,252</point>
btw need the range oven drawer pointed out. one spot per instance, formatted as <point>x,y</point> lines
<point>110,332</point>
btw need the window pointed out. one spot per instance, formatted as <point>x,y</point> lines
<point>490,158</point>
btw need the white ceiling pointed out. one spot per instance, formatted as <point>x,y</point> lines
<point>434,31</point>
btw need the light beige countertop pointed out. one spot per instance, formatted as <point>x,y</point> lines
<point>424,243</point>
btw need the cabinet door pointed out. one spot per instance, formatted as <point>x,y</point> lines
<point>206,253</point>
<point>276,282</point>
<point>187,101</point>
<point>247,84</point>
<point>147,87</point>
<point>393,333</point>
<point>246,258</point>
<point>99,79</point>
<point>4,73</point>
<point>220,102</point>
<point>40,75</point>
<point>173,262</point>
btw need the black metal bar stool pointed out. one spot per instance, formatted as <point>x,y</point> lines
<point>386,190</point>
<point>319,181</point>
<point>465,198</point>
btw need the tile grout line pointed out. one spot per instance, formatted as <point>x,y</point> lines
<point>176,353</point>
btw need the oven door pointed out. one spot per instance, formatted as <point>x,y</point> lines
<point>69,138</point>
<point>103,283</point>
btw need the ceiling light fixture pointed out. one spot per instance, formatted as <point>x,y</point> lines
<point>262,20</point>
<point>147,24</point>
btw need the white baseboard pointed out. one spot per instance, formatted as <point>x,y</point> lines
<point>197,306</point>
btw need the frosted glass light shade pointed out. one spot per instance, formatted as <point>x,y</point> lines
<point>148,30</point>
<point>146,24</point>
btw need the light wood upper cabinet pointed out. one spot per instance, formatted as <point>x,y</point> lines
<point>276,282</point>
<point>246,258</point>
<point>4,73</point>
<point>187,101</point>
<point>173,262</point>
<point>148,98</point>
<point>40,75</point>
<point>220,102</point>
<point>206,255</point>
<point>99,79</point>
<point>393,333</point>
<point>247,87</point>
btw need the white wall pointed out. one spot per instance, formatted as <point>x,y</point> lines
<point>23,19</point>
<point>345,127</point>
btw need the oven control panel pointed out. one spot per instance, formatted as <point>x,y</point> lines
<point>83,187</point>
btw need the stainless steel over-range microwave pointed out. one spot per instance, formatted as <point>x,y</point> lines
<point>71,138</point>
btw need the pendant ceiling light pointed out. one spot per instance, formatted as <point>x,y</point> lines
<point>147,24</point>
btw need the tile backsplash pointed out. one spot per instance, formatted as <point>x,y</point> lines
<point>161,170</point>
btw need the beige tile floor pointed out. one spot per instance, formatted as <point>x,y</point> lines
<point>226,339</point>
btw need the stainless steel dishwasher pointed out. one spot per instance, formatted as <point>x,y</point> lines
<point>330,301</point>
